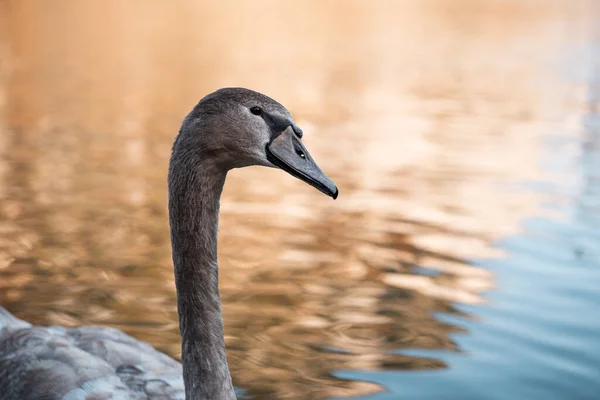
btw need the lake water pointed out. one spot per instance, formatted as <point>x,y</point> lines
<point>462,258</point>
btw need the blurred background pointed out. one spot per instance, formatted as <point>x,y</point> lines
<point>462,258</point>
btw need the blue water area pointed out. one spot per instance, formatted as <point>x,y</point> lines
<point>538,335</point>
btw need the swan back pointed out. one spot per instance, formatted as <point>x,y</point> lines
<point>86,363</point>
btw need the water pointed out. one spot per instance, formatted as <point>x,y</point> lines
<point>462,258</point>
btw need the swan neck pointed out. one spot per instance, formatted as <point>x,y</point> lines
<point>194,193</point>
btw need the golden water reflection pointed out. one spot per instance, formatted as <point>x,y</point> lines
<point>420,110</point>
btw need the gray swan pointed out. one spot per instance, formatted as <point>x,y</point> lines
<point>230,128</point>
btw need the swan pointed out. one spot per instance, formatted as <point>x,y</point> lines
<point>229,128</point>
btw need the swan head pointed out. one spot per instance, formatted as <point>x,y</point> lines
<point>236,127</point>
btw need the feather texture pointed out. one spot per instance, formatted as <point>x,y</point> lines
<point>85,363</point>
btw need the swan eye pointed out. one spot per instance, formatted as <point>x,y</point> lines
<point>256,110</point>
<point>300,153</point>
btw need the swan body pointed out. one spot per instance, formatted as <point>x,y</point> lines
<point>230,128</point>
<point>84,363</point>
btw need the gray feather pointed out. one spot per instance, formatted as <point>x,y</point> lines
<point>87,363</point>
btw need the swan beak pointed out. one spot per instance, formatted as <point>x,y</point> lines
<point>288,153</point>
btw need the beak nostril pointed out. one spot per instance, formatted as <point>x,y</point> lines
<point>280,153</point>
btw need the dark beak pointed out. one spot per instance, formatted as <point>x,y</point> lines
<point>288,153</point>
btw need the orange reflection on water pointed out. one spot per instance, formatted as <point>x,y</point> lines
<point>419,110</point>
